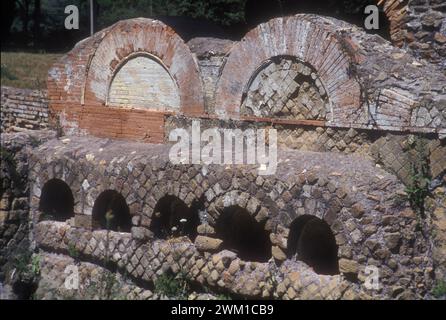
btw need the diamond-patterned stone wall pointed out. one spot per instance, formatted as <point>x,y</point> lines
<point>360,202</point>
<point>285,88</point>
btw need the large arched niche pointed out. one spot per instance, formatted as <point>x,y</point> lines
<point>111,212</point>
<point>56,201</point>
<point>143,81</point>
<point>312,241</point>
<point>173,217</point>
<point>310,39</point>
<point>285,87</point>
<point>141,37</point>
<point>243,234</point>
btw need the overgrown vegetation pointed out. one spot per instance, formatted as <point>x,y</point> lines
<point>22,261</point>
<point>34,141</point>
<point>27,265</point>
<point>108,289</point>
<point>35,265</point>
<point>224,297</point>
<point>418,188</point>
<point>25,274</point>
<point>9,164</point>
<point>172,286</point>
<point>73,252</point>
<point>105,286</point>
<point>7,157</point>
<point>439,289</point>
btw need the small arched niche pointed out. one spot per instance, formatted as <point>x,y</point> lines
<point>56,201</point>
<point>172,218</point>
<point>142,81</point>
<point>311,240</point>
<point>111,212</point>
<point>285,87</point>
<point>242,234</point>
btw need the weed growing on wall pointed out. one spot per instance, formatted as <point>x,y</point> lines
<point>73,252</point>
<point>418,188</point>
<point>172,286</point>
<point>439,290</point>
<point>9,164</point>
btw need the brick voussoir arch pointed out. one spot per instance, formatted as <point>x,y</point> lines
<point>61,88</point>
<point>311,39</point>
<point>147,36</point>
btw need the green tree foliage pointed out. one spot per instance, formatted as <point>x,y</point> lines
<point>35,22</point>
<point>224,12</point>
<point>7,16</point>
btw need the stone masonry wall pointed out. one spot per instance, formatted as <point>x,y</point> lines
<point>95,282</point>
<point>361,203</point>
<point>14,196</point>
<point>392,150</point>
<point>426,29</point>
<point>436,211</point>
<point>23,109</point>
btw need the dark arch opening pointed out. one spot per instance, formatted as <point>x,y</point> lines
<point>56,201</point>
<point>313,242</point>
<point>242,234</point>
<point>258,11</point>
<point>173,218</point>
<point>111,212</point>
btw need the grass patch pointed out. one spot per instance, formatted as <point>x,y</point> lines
<point>172,286</point>
<point>26,70</point>
<point>440,289</point>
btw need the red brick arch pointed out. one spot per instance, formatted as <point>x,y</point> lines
<point>78,83</point>
<point>310,39</point>
<point>153,37</point>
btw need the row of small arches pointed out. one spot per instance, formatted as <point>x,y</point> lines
<point>310,238</point>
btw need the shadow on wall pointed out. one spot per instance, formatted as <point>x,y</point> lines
<point>312,241</point>
<point>111,212</point>
<point>242,234</point>
<point>56,201</point>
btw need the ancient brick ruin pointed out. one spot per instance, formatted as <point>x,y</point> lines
<point>23,109</point>
<point>355,116</point>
